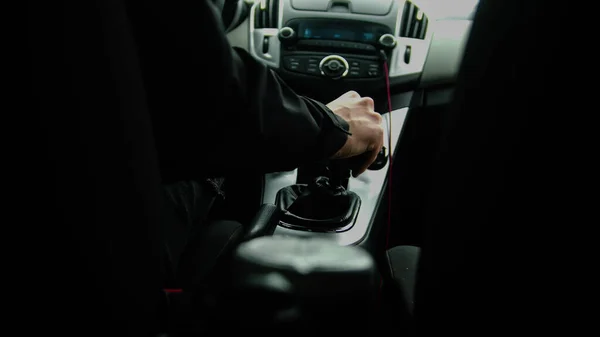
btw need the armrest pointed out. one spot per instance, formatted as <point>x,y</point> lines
<point>300,284</point>
<point>263,223</point>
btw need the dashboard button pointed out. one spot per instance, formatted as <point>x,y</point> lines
<point>312,70</point>
<point>407,53</point>
<point>294,63</point>
<point>373,69</point>
<point>334,66</point>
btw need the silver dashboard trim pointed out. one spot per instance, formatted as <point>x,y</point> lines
<point>397,67</point>
<point>271,58</point>
<point>238,14</point>
<point>446,52</point>
<point>436,57</point>
<point>369,187</point>
<point>419,48</point>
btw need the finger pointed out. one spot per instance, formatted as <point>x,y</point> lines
<point>376,117</point>
<point>372,156</point>
<point>368,102</point>
<point>351,94</point>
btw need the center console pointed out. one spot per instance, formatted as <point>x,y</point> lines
<point>313,42</point>
<point>331,204</point>
<point>335,49</point>
<point>323,48</point>
<point>323,203</point>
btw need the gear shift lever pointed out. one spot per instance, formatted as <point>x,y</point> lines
<point>324,204</point>
<point>340,173</point>
<point>340,170</point>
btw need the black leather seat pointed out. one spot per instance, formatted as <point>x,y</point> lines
<point>402,263</point>
<point>96,235</point>
<point>490,184</point>
<point>90,183</point>
<point>205,260</point>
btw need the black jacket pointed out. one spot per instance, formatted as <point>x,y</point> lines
<point>215,109</point>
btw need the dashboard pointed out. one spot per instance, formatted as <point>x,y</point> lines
<point>313,42</point>
<point>323,48</point>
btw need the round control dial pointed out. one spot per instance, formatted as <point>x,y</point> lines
<point>286,35</point>
<point>387,41</point>
<point>334,66</point>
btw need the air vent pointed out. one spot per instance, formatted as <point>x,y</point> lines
<point>414,22</point>
<point>266,14</point>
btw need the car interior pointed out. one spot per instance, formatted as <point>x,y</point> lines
<point>400,248</point>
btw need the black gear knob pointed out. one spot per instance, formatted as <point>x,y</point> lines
<point>341,169</point>
<point>380,161</point>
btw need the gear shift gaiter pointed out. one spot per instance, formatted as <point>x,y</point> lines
<point>324,205</point>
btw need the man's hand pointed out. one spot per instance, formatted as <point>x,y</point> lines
<point>365,125</point>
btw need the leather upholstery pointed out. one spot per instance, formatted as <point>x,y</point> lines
<point>208,253</point>
<point>303,205</point>
<point>402,262</point>
<point>264,223</point>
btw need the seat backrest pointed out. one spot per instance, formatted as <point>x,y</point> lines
<point>91,178</point>
<point>491,180</point>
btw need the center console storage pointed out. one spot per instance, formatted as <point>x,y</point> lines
<point>308,285</point>
<point>371,7</point>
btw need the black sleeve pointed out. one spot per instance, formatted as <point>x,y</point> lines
<point>216,110</point>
